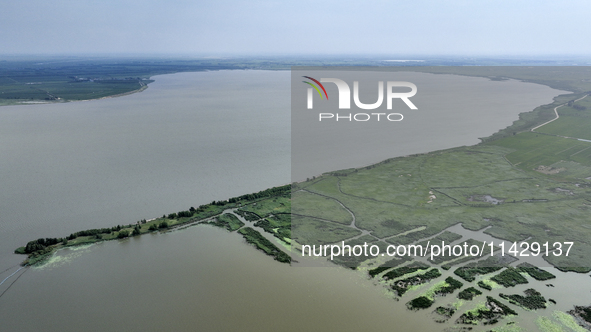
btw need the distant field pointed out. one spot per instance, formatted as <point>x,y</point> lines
<point>70,79</point>
<point>571,126</point>
<point>459,179</point>
<point>532,150</point>
<point>67,91</point>
<point>554,148</point>
<point>574,121</point>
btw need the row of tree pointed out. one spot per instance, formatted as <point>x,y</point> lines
<point>276,191</point>
<point>41,244</point>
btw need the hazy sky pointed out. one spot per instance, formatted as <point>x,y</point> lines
<point>451,27</point>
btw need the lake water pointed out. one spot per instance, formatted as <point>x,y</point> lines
<point>187,140</point>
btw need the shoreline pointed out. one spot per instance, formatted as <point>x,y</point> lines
<point>143,87</point>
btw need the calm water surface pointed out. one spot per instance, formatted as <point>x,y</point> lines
<point>197,279</point>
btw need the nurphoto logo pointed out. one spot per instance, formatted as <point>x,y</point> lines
<point>344,99</point>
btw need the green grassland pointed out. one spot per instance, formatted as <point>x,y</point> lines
<point>268,207</point>
<point>531,150</point>
<point>306,230</point>
<point>227,221</point>
<point>65,88</point>
<point>320,207</point>
<point>59,79</point>
<point>534,205</point>
<point>70,78</point>
<point>540,185</point>
<point>278,225</point>
<point>570,124</point>
<point>573,122</point>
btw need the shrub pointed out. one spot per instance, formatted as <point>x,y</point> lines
<point>123,234</point>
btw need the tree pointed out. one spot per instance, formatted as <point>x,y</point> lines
<point>34,246</point>
<point>136,230</point>
<point>123,234</point>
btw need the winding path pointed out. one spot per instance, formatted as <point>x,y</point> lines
<point>558,116</point>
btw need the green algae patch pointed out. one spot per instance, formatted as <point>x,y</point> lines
<point>568,321</point>
<point>488,284</point>
<point>509,327</point>
<point>545,324</point>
